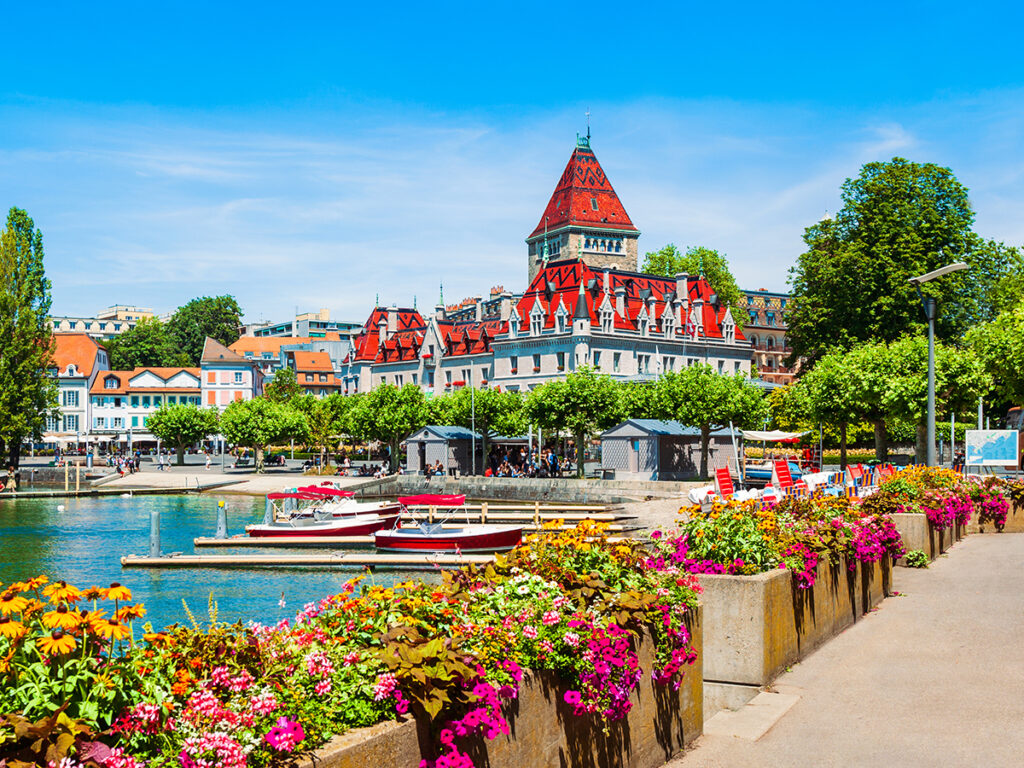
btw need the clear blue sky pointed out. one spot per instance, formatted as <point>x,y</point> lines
<point>314,156</point>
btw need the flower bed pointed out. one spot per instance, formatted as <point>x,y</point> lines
<point>780,579</point>
<point>573,606</point>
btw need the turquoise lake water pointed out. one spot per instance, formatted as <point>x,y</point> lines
<point>84,544</point>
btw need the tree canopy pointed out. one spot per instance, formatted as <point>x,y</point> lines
<point>389,414</point>
<point>698,260</point>
<point>146,344</point>
<point>999,346</point>
<point>258,423</point>
<point>218,317</point>
<point>487,409</point>
<point>582,403</point>
<point>284,387</point>
<point>27,390</point>
<point>182,425</point>
<point>899,219</point>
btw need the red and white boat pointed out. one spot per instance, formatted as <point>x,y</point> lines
<point>308,525</point>
<point>424,536</point>
<point>324,500</point>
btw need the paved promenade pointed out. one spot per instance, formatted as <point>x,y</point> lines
<point>934,677</point>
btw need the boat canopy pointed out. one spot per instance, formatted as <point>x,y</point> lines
<point>434,500</point>
<point>319,490</point>
<point>774,436</point>
<point>292,495</point>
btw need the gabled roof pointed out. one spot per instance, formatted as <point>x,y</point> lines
<point>445,433</point>
<point>659,427</point>
<point>260,344</point>
<point>124,378</point>
<point>312,361</point>
<point>215,352</point>
<point>77,349</point>
<point>584,197</point>
<point>410,328</point>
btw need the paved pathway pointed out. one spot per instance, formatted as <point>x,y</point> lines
<point>934,677</point>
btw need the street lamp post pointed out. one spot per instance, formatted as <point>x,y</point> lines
<point>930,312</point>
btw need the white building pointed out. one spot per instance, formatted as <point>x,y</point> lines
<point>77,360</point>
<point>121,402</point>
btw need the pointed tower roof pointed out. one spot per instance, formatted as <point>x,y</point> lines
<point>584,197</point>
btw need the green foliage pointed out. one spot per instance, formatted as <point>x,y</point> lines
<point>698,260</point>
<point>218,317</point>
<point>258,422</point>
<point>582,404</point>
<point>899,219</point>
<point>147,344</point>
<point>700,397</point>
<point>284,387</point>
<point>389,414</point>
<point>27,391</point>
<point>999,345</point>
<point>326,420</point>
<point>433,670</point>
<point>915,558</point>
<point>487,409</point>
<point>183,425</point>
<point>637,400</point>
<point>48,740</point>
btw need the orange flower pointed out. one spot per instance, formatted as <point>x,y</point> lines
<point>196,663</point>
<point>156,638</point>
<point>95,593</point>
<point>117,592</point>
<point>37,582</point>
<point>113,629</point>
<point>12,629</point>
<point>56,643</point>
<point>131,612</point>
<point>93,619</point>
<point>61,618</point>
<point>61,590</point>
<point>11,602</point>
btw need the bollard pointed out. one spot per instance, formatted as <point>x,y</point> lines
<point>268,512</point>
<point>483,512</point>
<point>222,521</point>
<point>78,476</point>
<point>65,475</point>
<point>154,533</point>
<point>536,514</point>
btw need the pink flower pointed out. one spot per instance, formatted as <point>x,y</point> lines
<point>529,631</point>
<point>384,686</point>
<point>551,617</point>
<point>572,698</point>
<point>286,735</point>
<point>571,639</point>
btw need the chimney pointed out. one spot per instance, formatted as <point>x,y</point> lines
<point>382,329</point>
<point>620,300</point>
<point>682,286</point>
<point>505,306</point>
<point>607,281</point>
<point>439,312</point>
<point>392,320</point>
<point>478,301</point>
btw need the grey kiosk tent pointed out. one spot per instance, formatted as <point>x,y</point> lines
<point>452,446</point>
<point>649,449</point>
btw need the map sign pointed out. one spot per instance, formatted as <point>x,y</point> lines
<point>991,448</point>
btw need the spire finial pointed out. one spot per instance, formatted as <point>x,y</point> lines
<point>440,298</point>
<point>376,300</point>
<point>700,264</point>
<point>414,301</point>
<point>588,125</point>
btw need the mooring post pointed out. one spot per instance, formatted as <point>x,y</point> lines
<point>268,512</point>
<point>430,514</point>
<point>154,533</point>
<point>65,474</point>
<point>483,512</point>
<point>536,514</point>
<point>222,521</point>
<point>78,476</point>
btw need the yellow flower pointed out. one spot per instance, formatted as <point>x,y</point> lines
<point>103,680</point>
<point>56,643</point>
<point>117,592</point>
<point>131,612</point>
<point>12,602</point>
<point>61,590</point>
<point>95,593</point>
<point>61,618</point>
<point>113,629</point>
<point>12,629</point>
<point>94,619</point>
<point>37,582</point>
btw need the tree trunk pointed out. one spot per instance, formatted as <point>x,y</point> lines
<point>181,455</point>
<point>705,438</point>
<point>14,458</point>
<point>393,458</point>
<point>881,441</point>
<point>579,455</point>
<point>842,448</point>
<point>259,458</point>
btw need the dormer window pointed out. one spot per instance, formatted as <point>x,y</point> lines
<point>110,382</point>
<point>668,324</point>
<point>536,320</point>
<point>643,325</point>
<point>607,320</point>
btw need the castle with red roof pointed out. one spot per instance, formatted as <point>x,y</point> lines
<point>586,304</point>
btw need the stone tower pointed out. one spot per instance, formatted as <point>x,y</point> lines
<point>584,219</point>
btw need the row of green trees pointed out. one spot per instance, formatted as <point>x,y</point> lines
<point>581,405</point>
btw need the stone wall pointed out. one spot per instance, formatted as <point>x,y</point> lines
<point>569,490</point>
<point>544,730</point>
<point>755,626</point>
<point>1014,523</point>
<point>918,533</point>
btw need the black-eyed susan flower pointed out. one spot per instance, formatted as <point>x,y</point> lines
<point>95,593</point>
<point>129,612</point>
<point>11,602</point>
<point>113,629</point>
<point>61,618</point>
<point>56,643</point>
<point>62,591</point>
<point>118,592</point>
<point>11,628</point>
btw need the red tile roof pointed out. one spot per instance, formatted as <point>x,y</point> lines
<point>123,377</point>
<point>409,335</point>
<point>559,283</point>
<point>312,361</point>
<point>260,344</point>
<point>584,197</point>
<point>78,349</point>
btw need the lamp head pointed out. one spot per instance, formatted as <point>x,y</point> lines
<point>929,276</point>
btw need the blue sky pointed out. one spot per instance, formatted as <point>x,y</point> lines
<point>320,155</point>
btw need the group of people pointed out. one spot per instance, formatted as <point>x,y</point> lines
<point>126,464</point>
<point>10,482</point>
<point>436,470</point>
<point>521,463</point>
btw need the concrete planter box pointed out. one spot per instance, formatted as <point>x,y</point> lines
<point>755,626</point>
<point>545,732</point>
<point>1014,523</point>
<point>918,533</point>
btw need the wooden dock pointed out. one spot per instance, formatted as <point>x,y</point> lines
<point>92,492</point>
<point>332,559</point>
<point>299,542</point>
